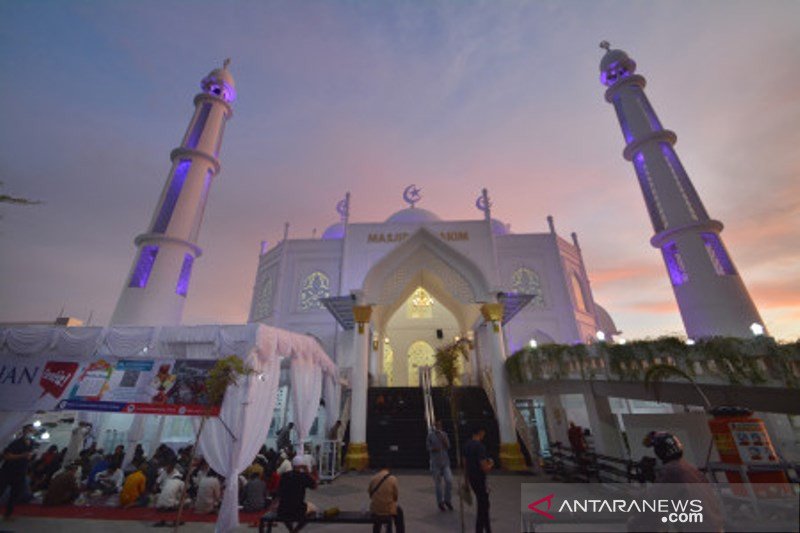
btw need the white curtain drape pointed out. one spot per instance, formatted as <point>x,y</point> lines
<point>230,442</point>
<point>134,437</point>
<point>306,390</point>
<point>332,394</point>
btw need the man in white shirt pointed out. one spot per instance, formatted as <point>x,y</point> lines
<point>109,481</point>
<point>171,488</point>
<point>209,493</point>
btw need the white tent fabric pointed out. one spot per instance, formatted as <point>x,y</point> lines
<point>306,391</point>
<point>332,394</point>
<point>247,409</point>
<point>230,442</point>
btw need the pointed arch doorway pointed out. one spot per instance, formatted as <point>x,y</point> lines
<point>425,294</point>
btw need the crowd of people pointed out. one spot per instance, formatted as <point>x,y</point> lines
<point>276,481</point>
<point>91,476</point>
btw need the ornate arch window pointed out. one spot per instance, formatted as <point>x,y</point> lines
<point>315,287</point>
<point>527,281</point>
<point>420,353</point>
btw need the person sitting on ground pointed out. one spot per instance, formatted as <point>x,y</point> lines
<point>255,494</point>
<point>101,466</point>
<point>138,452</point>
<point>200,471</point>
<point>255,468</point>
<point>110,480</point>
<point>171,488</point>
<point>134,489</point>
<point>63,487</point>
<point>44,468</point>
<point>165,473</point>
<point>292,507</point>
<point>284,464</point>
<point>151,472</point>
<point>383,495</point>
<point>119,454</point>
<point>209,493</point>
<point>95,459</point>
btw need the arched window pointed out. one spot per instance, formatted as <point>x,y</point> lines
<point>420,354</point>
<point>314,288</point>
<point>526,281</point>
<point>388,364</point>
<point>577,292</point>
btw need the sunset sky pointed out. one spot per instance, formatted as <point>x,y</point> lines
<point>369,97</point>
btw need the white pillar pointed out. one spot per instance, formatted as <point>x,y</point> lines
<point>603,423</point>
<point>357,454</point>
<point>556,419</point>
<point>510,454</point>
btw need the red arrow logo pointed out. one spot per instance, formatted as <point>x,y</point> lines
<point>549,500</point>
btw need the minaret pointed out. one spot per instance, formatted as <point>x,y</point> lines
<point>711,296</point>
<point>156,288</point>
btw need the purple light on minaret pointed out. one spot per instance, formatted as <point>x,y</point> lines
<point>174,228</point>
<point>711,296</point>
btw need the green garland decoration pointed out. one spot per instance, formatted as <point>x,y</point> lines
<point>737,361</point>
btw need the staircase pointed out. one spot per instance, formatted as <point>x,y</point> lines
<point>396,428</point>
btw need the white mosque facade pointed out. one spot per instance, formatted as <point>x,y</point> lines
<point>426,280</point>
<point>423,282</point>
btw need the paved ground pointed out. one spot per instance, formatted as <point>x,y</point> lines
<point>348,492</point>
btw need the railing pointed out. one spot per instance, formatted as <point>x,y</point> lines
<point>425,383</point>
<point>565,464</point>
<point>520,425</point>
<point>329,459</point>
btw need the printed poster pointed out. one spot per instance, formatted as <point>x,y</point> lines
<point>155,386</point>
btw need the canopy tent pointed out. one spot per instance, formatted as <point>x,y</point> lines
<point>229,443</point>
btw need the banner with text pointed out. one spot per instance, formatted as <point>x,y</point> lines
<point>143,386</point>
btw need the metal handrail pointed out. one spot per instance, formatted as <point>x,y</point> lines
<point>520,425</point>
<point>425,383</point>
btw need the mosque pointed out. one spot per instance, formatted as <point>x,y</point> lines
<point>381,296</point>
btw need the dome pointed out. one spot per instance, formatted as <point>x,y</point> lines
<point>335,231</point>
<point>604,321</point>
<point>413,215</point>
<point>219,82</point>
<point>499,228</point>
<point>615,65</point>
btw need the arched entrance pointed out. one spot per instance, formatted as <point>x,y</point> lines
<point>424,295</point>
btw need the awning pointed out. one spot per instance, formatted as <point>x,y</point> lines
<point>341,307</point>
